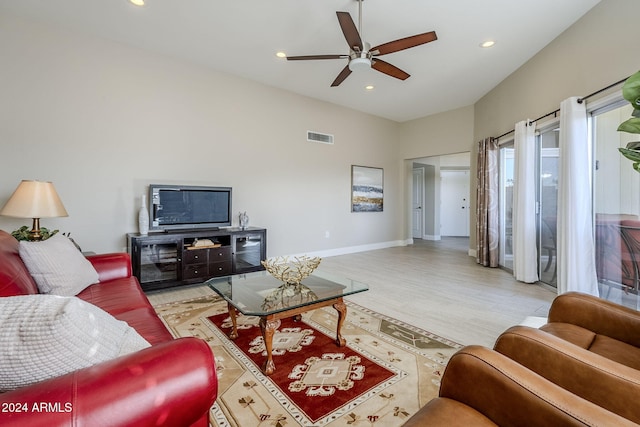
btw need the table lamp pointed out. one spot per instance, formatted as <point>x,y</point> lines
<point>34,199</point>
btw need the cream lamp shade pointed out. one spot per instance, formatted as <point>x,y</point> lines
<point>34,199</point>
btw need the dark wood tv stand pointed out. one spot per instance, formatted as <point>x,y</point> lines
<point>162,260</point>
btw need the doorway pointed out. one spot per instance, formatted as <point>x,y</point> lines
<point>433,201</point>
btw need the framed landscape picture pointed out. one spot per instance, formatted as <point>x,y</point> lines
<point>366,189</point>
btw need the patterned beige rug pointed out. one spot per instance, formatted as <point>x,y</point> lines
<point>410,361</point>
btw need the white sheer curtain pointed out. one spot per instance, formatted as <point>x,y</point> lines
<point>525,252</point>
<point>576,252</point>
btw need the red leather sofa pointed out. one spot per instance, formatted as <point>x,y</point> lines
<point>171,383</point>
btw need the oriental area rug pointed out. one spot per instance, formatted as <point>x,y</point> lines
<point>386,372</point>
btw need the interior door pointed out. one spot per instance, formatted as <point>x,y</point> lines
<point>454,203</point>
<point>418,203</point>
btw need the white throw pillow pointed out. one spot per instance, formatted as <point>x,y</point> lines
<point>45,336</point>
<point>57,266</point>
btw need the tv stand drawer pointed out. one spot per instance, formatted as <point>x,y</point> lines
<point>222,268</point>
<point>196,256</point>
<point>206,255</point>
<point>195,271</point>
<point>222,253</point>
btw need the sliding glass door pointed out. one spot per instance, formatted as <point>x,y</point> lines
<point>617,209</point>
<point>507,161</point>
<point>548,205</point>
<point>616,206</point>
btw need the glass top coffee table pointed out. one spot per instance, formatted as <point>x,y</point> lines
<point>260,294</point>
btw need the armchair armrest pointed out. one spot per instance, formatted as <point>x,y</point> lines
<point>591,376</point>
<point>170,384</point>
<point>597,315</point>
<point>482,383</point>
<point>111,266</point>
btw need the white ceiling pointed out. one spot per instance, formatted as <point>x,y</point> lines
<point>241,37</point>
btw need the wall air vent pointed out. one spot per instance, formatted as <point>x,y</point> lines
<point>323,138</point>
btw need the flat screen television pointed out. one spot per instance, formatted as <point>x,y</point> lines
<point>183,207</point>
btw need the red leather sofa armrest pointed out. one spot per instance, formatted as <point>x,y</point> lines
<point>170,384</point>
<point>111,266</point>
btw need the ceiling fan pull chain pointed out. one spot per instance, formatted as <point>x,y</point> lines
<point>360,21</point>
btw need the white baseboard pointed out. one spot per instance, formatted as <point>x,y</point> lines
<point>355,249</point>
<point>534,321</point>
<point>370,247</point>
<point>432,237</point>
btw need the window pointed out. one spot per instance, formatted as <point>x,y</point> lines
<point>616,207</point>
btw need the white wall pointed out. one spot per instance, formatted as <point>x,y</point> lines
<point>440,134</point>
<point>102,121</point>
<point>445,133</point>
<point>598,50</point>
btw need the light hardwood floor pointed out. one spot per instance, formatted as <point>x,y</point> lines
<point>434,285</point>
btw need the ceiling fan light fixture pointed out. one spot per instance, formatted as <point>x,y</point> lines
<point>359,64</point>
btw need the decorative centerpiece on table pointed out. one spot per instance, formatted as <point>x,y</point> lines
<point>291,273</point>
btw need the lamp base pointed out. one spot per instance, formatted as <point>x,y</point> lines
<point>34,234</point>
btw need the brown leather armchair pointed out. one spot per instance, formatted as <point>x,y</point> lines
<point>597,325</point>
<point>481,387</point>
<point>588,375</point>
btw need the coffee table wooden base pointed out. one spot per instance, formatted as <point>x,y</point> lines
<point>270,323</point>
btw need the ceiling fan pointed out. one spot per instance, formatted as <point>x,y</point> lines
<point>362,55</point>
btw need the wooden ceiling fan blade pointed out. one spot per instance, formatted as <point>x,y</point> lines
<point>349,30</point>
<point>343,75</point>
<point>388,69</point>
<point>309,57</point>
<point>405,43</point>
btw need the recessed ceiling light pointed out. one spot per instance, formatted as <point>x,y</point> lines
<point>281,54</point>
<point>137,2</point>
<point>369,87</point>
<point>488,43</point>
